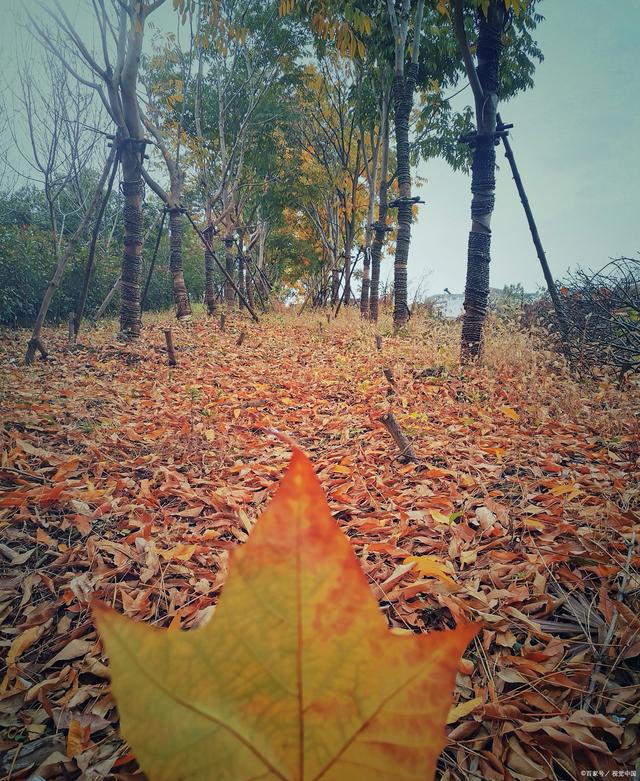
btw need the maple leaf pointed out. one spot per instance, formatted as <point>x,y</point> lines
<point>296,676</point>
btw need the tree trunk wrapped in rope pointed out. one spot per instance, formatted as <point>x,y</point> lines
<point>180,295</point>
<point>242,281</point>
<point>403,89</point>
<point>366,283</point>
<point>229,292</point>
<point>483,181</point>
<point>210,285</point>
<point>380,226</point>
<point>335,285</point>
<point>133,192</point>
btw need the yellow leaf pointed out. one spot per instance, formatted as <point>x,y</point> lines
<point>510,413</point>
<point>566,488</point>
<point>78,738</point>
<point>296,676</point>
<point>181,551</point>
<point>463,709</point>
<point>23,641</point>
<point>439,517</point>
<point>432,566</point>
<point>209,434</point>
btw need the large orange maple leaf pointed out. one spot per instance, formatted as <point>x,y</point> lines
<point>296,677</point>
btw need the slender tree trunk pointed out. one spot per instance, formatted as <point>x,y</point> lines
<point>249,282</point>
<point>133,191</point>
<point>35,343</point>
<point>82,300</point>
<point>210,285</point>
<point>229,293</point>
<point>335,285</point>
<point>380,227</point>
<point>403,88</point>
<point>483,182</point>
<point>346,297</point>
<point>242,284</point>
<point>181,297</point>
<point>366,281</point>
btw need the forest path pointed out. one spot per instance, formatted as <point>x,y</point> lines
<point>129,480</point>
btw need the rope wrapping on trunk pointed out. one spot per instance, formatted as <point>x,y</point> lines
<point>483,180</point>
<point>489,49</point>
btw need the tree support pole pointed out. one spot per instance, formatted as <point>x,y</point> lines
<point>228,276</point>
<point>82,301</point>
<point>346,288</point>
<point>153,260</point>
<point>35,343</point>
<point>256,286</point>
<point>551,285</point>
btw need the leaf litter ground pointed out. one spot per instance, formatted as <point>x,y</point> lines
<point>130,481</point>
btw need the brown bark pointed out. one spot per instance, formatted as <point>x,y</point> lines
<point>132,189</point>
<point>88,270</point>
<point>210,287</point>
<point>35,343</point>
<point>380,227</point>
<point>483,182</point>
<point>181,297</point>
<point>335,285</point>
<point>407,453</point>
<point>168,337</point>
<point>403,88</point>
<point>229,292</point>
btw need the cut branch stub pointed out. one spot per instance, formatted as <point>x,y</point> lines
<point>170,349</point>
<point>407,453</point>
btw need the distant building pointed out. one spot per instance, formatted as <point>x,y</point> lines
<point>448,304</point>
<point>452,304</point>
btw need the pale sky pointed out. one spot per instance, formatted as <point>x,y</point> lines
<point>575,141</point>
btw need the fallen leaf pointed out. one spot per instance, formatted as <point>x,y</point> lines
<point>296,635</point>
<point>23,641</point>
<point>432,566</point>
<point>463,709</point>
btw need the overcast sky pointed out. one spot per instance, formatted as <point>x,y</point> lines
<point>575,141</point>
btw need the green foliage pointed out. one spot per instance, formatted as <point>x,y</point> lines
<point>27,263</point>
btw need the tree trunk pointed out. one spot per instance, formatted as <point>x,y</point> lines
<point>403,88</point>
<point>210,286</point>
<point>35,343</point>
<point>380,226</point>
<point>335,285</point>
<point>229,293</point>
<point>181,297</point>
<point>483,183</point>
<point>366,282</point>
<point>249,282</point>
<point>88,270</point>
<point>133,190</point>
<point>346,296</point>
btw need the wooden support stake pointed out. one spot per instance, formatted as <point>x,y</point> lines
<point>170,351</point>
<point>378,342</point>
<point>72,327</point>
<point>407,453</point>
<point>240,339</point>
<point>390,379</point>
<point>328,318</point>
<point>537,242</point>
<point>223,320</point>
